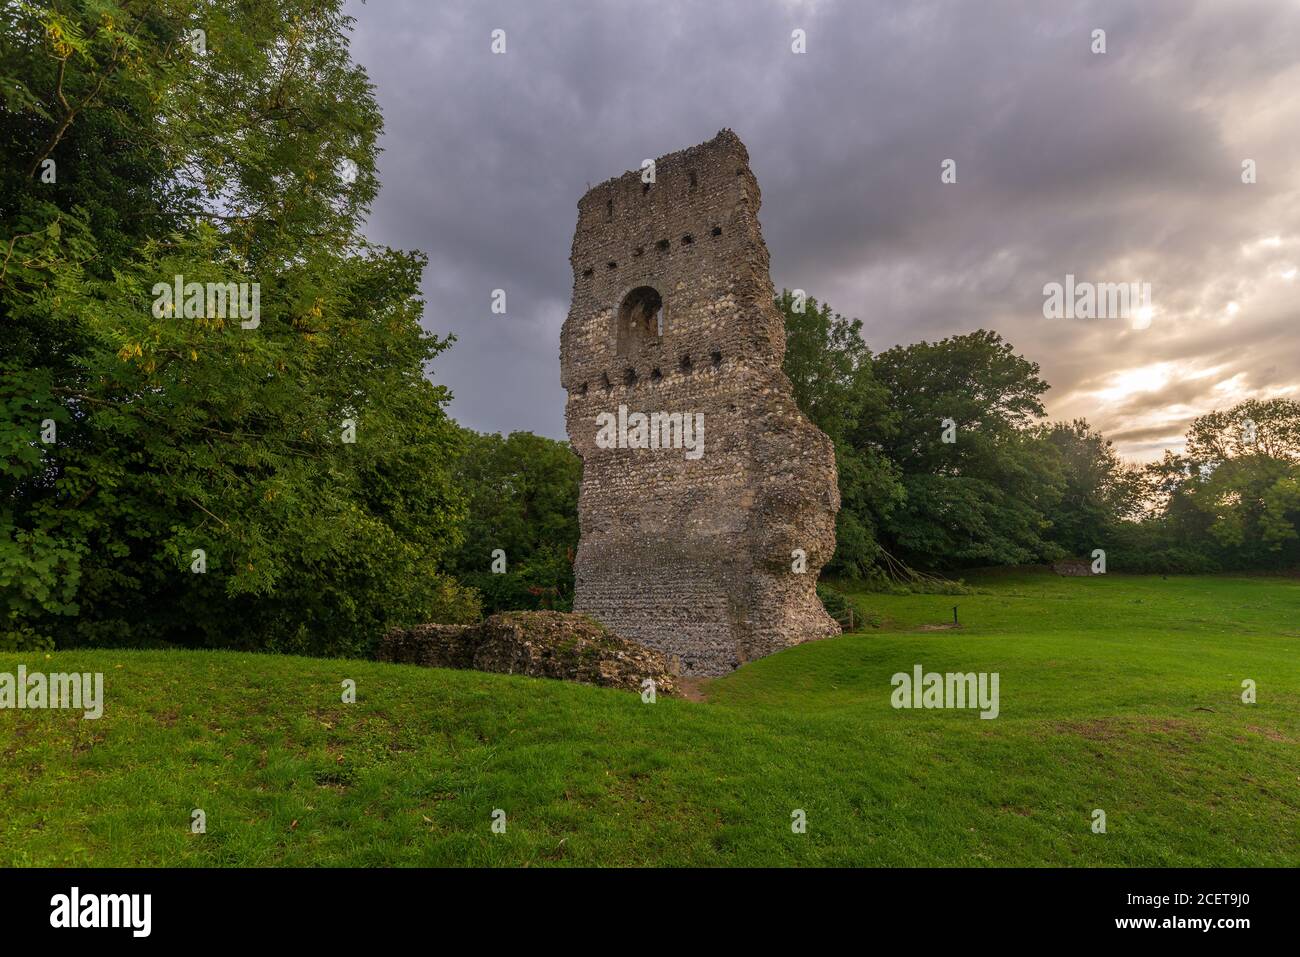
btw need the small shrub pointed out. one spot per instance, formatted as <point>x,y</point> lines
<point>842,608</point>
<point>25,639</point>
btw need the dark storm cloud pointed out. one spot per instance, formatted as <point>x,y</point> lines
<point>1122,167</point>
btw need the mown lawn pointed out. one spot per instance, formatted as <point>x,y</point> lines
<point>1118,693</point>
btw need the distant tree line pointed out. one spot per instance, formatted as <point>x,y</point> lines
<point>1006,488</point>
<point>1009,488</point>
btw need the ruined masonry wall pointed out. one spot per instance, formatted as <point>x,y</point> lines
<point>692,557</point>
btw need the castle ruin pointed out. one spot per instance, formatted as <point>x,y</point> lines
<point>708,499</point>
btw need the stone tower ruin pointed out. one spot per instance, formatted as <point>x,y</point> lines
<point>708,499</point>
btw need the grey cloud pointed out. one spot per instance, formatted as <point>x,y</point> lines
<point>1121,167</point>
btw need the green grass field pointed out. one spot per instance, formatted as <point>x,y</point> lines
<point>1118,693</point>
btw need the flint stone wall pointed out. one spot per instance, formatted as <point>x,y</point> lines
<point>544,644</point>
<point>692,556</point>
<point>1073,567</point>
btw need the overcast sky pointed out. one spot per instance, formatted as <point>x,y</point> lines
<point>1117,167</point>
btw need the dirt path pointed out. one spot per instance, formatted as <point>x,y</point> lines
<point>693,689</point>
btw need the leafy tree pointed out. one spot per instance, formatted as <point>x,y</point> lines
<point>1098,491</point>
<point>1248,463</point>
<point>985,496</point>
<point>829,366</point>
<point>1228,501</point>
<point>523,501</point>
<point>1269,428</point>
<point>1279,517</point>
<point>189,437</point>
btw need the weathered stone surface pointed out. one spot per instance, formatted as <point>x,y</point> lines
<point>544,644</point>
<point>434,646</point>
<point>1073,567</point>
<point>673,313</point>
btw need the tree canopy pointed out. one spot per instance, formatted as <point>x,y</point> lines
<point>947,461</point>
<point>189,472</point>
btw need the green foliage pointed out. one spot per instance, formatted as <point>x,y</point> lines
<point>1008,490</point>
<point>1231,500</point>
<point>839,606</point>
<point>1098,491</point>
<point>1281,509</point>
<point>984,498</point>
<point>523,500</point>
<point>829,367</point>
<point>1011,489</point>
<point>920,584</point>
<point>184,429</point>
<point>25,638</point>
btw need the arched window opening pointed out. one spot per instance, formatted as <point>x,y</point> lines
<point>640,319</point>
